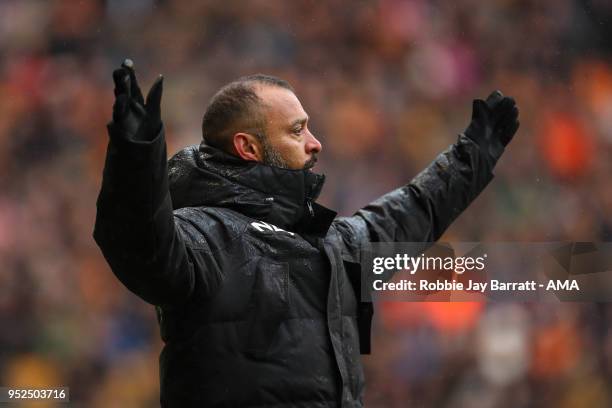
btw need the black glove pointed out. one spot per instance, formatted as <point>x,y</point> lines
<point>494,123</point>
<point>133,118</point>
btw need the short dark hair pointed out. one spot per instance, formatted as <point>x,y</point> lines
<point>236,107</point>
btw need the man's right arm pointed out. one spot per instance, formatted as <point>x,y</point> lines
<point>135,227</point>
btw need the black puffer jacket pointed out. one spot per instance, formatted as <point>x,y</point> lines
<point>255,285</point>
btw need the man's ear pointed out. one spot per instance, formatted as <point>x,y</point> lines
<point>247,147</point>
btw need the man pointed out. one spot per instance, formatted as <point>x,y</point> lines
<point>256,285</point>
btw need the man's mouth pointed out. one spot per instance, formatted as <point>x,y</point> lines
<point>310,163</point>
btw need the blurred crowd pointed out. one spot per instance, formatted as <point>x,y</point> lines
<point>388,85</point>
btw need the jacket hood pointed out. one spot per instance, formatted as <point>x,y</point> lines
<point>201,175</point>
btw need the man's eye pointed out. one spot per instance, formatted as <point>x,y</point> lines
<point>298,131</point>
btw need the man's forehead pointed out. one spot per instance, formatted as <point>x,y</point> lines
<point>280,103</point>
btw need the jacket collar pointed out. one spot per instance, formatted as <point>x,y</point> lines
<point>201,175</point>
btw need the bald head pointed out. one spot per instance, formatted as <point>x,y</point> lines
<point>237,107</point>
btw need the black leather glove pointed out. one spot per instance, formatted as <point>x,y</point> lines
<point>494,123</point>
<point>133,118</point>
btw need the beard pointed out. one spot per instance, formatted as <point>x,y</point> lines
<point>311,162</point>
<point>272,157</point>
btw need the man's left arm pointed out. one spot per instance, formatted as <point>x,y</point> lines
<point>423,209</point>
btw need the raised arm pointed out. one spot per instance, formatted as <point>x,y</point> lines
<point>135,226</point>
<point>423,209</point>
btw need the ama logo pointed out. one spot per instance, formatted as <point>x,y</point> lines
<point>264,226</point>
<point>562,285</point>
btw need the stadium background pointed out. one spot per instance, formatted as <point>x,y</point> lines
<point>388,84</point>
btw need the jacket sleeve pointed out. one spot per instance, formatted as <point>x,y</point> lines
<point>135,227</point>
<point>423,209</point>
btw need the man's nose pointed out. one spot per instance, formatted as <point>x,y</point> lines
<point>313,145</point>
